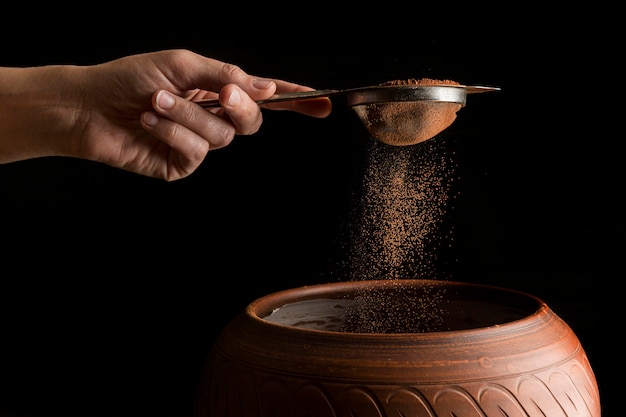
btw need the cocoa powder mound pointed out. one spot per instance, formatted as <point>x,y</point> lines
<point>408,122</point>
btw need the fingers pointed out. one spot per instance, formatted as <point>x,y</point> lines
<point>210,75</point>
<point>196,71</point>
<point>242,111</point>
<point>192,131</point>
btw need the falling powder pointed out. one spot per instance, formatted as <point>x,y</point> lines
<point>397,225</point>
<point>396,308</point>
<point>398,230</point>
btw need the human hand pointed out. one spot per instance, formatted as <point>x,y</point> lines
<point>175,134</point>
<point>137,112</point>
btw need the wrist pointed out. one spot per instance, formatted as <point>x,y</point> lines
<point>39,108</point>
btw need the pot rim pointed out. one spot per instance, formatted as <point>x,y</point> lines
<point>260,308</point>
<point>507,348</point>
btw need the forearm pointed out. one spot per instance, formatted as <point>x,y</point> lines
<point>39,111</point>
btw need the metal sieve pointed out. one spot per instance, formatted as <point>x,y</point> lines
<point>379,94</point>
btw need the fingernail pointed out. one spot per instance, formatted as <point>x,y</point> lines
<point>262,84</point>
<point>165,100</point>
<point>150,118</point>
<point>235,98</point>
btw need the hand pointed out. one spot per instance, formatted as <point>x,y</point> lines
<point>137,112</point>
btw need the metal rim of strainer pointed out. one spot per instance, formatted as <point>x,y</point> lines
<point>449,93</point>
<point>401,93</point>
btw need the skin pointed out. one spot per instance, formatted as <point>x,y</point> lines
<point>136,113</point>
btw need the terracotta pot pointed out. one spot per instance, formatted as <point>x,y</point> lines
<point>398,348</point>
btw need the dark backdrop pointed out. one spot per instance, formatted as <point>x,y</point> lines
<point>114,285</point>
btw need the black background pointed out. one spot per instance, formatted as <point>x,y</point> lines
<point>115,285</point>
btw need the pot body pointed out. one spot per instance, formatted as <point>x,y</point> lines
<point>492,352</point>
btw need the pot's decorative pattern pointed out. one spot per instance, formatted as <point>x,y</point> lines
<point>530,367</point>
<point>567,390</point>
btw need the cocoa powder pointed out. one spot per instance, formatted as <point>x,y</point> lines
<point>398,231</point>
<point>408,122</point>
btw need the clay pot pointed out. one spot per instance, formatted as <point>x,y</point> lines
<point>398,348</point>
